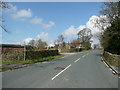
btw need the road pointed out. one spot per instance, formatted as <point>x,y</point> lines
<point>80,70</point>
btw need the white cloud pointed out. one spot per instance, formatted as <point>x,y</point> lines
<point>27,40</point>
<point>43,36</point>
<point>22,14</point>
<point>90,24</point>
<point>23,19</point>
<point>50,43</point>
<point>72,31</point>
<point>49,25</point>
<point>36,20</point>
<point>27,15</point>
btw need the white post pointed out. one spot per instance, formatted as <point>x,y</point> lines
<point>24,51</point>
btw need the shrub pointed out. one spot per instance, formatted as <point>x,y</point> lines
<point>29,55</point>
<point>40,54</point>
<point>16,55</point>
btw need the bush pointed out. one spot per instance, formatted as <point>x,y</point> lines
<point>40,54</point>
<point>16,55</point>
<point>29,55</point>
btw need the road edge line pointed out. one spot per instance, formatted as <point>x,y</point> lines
<point>109,66</point>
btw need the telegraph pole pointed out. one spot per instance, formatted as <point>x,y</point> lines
<point>24,51</point>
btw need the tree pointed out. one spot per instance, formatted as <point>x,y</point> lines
<point>32,43</point>
<point>111,10</point>
<point>75,43</point>
<point>61,38</point>
<point>111,37</point>
<point>95,46</point>
<point>60,41</point>
<point>3,5</point>
<point>84,37</point>
<point>41,44</point>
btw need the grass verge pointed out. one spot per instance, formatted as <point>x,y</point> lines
<point>28,61</point>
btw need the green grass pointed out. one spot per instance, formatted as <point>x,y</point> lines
<point>7,68</point>
<point>32,61</point>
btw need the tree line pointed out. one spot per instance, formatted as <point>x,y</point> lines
<point>109,26</point>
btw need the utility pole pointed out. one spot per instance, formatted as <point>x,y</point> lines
<point>24,51</point>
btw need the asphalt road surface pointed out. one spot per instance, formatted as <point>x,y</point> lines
<point>80,70</point>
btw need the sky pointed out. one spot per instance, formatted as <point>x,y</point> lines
<point>46,20</point>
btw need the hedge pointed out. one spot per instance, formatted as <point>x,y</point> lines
<point>40,54</point>
<point>29,55</point>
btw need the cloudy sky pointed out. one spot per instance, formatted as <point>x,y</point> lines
<point>33,20</point>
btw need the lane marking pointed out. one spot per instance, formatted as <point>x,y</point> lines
<point>87,53</point>
<point>77,60</point>
<point>83,55</point>
<point>60,72</point>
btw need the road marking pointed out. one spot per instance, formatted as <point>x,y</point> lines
<point>110,69</point>
<point>105,64</point>
<point>77,60</point>
<point>60,72</point>
<point>83,55</point>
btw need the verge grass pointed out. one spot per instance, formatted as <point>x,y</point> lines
<point>31,61</point>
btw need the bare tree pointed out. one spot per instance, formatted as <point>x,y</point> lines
<point>61,38</point>
<point>3,5</point>
<point>75,43</point>
<point>111,10</point>
<point>32,43</point>
<point>41,44</point>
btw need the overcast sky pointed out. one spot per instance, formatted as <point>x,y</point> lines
<point>27,21</point>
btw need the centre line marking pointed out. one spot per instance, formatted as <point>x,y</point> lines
<point>60,72</point>
<point>77,60</point>
<point>83,55</point>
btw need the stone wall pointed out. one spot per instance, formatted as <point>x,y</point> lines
<point>112,59</point>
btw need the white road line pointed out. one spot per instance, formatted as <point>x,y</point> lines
<point>105,64</point>
<point>83,55</point>
<point>110,69</point>
<point>60,72</point>
<point>77,60</point>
